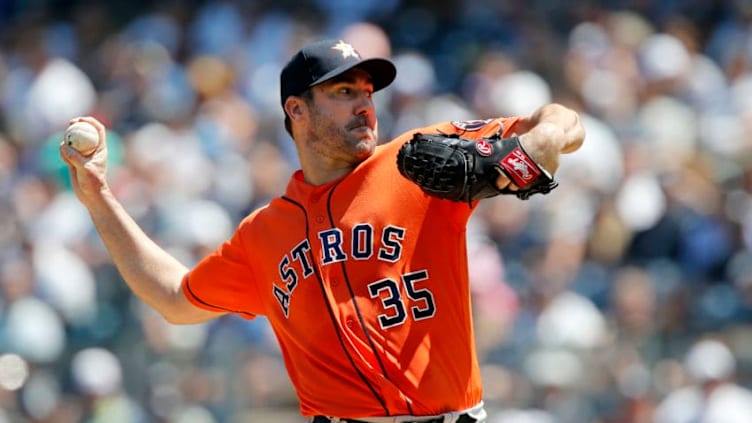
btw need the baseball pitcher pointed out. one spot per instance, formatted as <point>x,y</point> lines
<point>361,264</point>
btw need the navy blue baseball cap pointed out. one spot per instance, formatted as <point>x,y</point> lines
<point>323,60</point>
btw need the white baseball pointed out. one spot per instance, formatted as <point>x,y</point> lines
<point>82,136</point>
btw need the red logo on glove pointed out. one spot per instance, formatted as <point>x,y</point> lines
<point>520,168</point>
<point>484,148</point>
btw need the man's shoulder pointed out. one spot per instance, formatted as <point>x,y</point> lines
<point>272,210</point>
<point>476,128</point>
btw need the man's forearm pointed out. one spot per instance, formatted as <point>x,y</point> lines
<point>151,273</point>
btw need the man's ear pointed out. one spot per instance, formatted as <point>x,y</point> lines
<point>295,107</point>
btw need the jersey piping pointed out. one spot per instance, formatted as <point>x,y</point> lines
<point>329,307</point>
<point>361,320</point>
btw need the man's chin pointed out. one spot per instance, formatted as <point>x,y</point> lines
<point>366,145</point>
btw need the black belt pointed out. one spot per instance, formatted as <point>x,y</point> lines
<point>463,418</point>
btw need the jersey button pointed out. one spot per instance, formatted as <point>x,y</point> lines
<point>319,219</point>
<point>350,322</point>
<point>335,282</point>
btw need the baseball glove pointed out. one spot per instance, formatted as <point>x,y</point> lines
<point>460,169</point>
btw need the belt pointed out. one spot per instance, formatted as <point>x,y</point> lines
<point>463,418</point>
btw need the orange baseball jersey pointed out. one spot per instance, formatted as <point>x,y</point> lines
<point>365,283</point>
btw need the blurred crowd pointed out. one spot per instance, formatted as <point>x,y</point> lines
<point>624,296</point>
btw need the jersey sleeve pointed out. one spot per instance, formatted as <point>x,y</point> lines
<point>224,281</point>
<point>476,129</point>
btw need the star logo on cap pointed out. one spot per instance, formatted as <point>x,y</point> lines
<point>346,49</point>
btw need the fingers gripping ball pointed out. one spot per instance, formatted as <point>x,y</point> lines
<point>82,136</point>
<point>460,169</point>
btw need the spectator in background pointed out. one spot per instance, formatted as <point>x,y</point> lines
<point>711,395</point>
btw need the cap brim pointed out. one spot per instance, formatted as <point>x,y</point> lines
<point>382,72</point>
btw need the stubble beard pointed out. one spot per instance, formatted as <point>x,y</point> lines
<point>332,139</point>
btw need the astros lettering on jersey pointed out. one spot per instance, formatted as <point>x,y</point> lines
<point>354,283</point>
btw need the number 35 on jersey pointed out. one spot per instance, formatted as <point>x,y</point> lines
<point>296,265</point>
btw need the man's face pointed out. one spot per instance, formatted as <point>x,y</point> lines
<point>342,120</point>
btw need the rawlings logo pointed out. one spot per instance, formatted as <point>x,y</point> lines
<point>519,167</point>
<point>484,148</point>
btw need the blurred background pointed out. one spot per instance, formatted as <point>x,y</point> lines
<point>624,296</point>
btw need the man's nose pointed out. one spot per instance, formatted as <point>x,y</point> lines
<point>364,104</point>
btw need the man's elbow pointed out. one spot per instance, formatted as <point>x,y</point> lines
<point>576,141</point>
<point>181,312</point>
<point>575,134</point>
<point>176,318</point>
<point>192,318</point>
